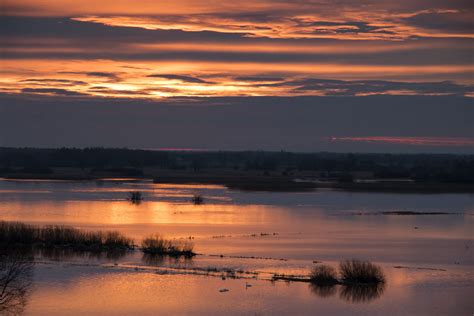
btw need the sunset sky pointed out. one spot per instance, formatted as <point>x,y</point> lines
<point>344,75</point>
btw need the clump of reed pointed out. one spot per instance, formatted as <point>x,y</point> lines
<point>136,197</point>
<point>323,275</point>
<point>15,233</point>
<point>197,199</point>
<point>360,272</point>
<point>157,244</point>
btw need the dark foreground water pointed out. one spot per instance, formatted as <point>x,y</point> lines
<point>424,242</point>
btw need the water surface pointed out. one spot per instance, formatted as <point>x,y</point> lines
<point>428,259</point>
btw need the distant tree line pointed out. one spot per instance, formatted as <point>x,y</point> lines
<point>419,167</point>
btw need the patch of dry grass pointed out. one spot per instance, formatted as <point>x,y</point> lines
<point>15,233</point>
<point>157,244</point>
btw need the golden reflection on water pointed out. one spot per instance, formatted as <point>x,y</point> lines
<point>209,219</point>
<point>311,232</point>
<point>123,212</point>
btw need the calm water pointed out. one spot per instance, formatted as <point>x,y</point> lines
<point>428,259</point>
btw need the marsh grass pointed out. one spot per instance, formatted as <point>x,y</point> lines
<point>158,245</point>
<point>360,272</point>
<point>323,275</point>
<point>15,233</point>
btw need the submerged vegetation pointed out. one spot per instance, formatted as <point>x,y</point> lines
<point>157,244</point>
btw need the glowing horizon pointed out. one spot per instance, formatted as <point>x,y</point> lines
<point>198,53</point>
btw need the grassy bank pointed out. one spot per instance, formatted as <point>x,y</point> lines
<point>16,234</point>
<point>247,180</point>
<point>156,244</point>
<point>55,236</point>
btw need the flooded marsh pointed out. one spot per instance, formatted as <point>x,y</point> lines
<point>243,242</point>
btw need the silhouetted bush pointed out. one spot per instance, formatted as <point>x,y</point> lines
<point>360,272</point>
<point>323,275</point>
<point>157,244</point>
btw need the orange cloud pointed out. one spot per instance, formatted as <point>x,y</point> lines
<point>294,40</point>
<point>261,18</point>
<point>296,27</point>
<point>152,79</point>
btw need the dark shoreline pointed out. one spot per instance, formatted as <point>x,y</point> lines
<point>249,181</point>
<point>248,170</point>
